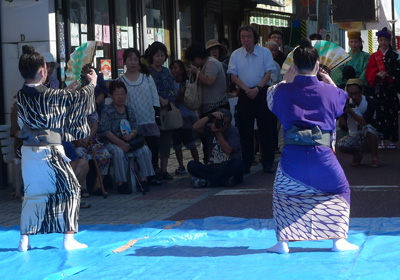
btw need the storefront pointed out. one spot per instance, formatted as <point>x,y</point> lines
<point>266,18</point>
<point>115,25</point>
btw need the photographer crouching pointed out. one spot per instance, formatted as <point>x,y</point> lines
<point>225,165</point>
<point>358,120</point>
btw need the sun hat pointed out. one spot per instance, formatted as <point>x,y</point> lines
<point>214,43</point>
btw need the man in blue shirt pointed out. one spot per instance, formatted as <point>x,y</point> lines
<point>250,67</point>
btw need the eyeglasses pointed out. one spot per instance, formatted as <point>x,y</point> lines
<point>276,37</point>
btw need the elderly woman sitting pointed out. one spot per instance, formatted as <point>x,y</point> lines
<point>116,118</point>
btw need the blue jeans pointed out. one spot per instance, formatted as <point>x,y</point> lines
<point>219,173</point>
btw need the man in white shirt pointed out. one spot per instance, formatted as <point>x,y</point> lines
<point>250,67</point>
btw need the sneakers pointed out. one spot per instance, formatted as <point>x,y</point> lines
<point>181,170</point>
<point>198,183</point>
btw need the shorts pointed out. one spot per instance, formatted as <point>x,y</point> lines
<point>185,136</point>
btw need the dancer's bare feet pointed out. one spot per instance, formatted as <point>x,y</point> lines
<point>341,244</point>
<point>282,247</point>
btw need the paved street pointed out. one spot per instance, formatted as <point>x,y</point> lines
<point>375,193</point>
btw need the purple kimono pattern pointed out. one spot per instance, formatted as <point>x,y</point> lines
<point>311,199</point>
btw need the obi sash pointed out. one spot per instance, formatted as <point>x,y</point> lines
<point>40,137</point>
<point>308,137</point>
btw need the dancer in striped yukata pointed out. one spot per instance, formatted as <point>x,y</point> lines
<point>48,116</point>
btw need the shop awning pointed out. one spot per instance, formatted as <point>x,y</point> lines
<point>277,3</point>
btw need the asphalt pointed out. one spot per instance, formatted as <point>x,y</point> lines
<point>177,200</point>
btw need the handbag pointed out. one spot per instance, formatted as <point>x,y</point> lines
<point>193,97</point>
<point>136,142</point>
<point>170,117</point>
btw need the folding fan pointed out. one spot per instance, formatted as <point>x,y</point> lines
<point>330,55</point>
<point>82,56</point>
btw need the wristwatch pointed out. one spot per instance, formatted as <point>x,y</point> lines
<point>259,88</point>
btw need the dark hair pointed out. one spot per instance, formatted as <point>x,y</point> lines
<point>128,53</point>
<point>30,62</point>
<point>348,72</point>
<point>315,36</point>
<point>116,84</point>
<point>180,64</point>
<point>153,49</point>
<point>305,56</point>
<point>249,28</point>
<point>277,32</point>
<point>196,50</point>
<point>224,41</point>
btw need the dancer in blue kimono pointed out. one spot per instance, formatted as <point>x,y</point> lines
<point>311,199</point>
<point>48,116</point>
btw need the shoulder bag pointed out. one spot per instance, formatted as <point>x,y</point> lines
<point>193,97</point>
<point>170,117</point>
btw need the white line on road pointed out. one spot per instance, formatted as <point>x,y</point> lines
<point>372,188</point>
<point>368,188</point>
<point>243,191</point>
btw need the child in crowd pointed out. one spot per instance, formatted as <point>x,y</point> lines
<point>184,134</point>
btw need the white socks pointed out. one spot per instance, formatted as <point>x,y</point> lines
<point>341,244</point>
<point>282,247</point>
<point>24,243</point>
<point>71,244</point>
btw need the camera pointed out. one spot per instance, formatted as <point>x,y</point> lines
<point>351,105</point>
<point>217,122</point>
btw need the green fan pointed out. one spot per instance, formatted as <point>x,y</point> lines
<point>330,55</point>
<point>83,55</point>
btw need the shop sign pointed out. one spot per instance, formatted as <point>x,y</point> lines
<point>270,20</point>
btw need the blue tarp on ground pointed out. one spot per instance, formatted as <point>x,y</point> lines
<point>212,248</point>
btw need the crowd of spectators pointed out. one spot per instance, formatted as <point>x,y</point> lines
<point>127,133</point>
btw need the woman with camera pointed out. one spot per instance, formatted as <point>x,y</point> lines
<point>119,131</point>
<point>311,198</point>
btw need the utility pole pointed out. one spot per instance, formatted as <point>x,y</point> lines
<point>394,28</point>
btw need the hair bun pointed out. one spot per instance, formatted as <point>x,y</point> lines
<point>305,43</point>
<point>384,29</point>
<point>28,49</point>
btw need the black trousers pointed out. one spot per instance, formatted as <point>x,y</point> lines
<point>217,174</point>
<point>249,110</point>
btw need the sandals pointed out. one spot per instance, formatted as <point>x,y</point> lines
<point>391,146</point>
<point>85,193</point>
<point>98,192</point>
<point>85,205</point>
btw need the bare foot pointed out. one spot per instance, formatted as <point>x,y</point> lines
<point>341,244</point>
<point>282,247</point>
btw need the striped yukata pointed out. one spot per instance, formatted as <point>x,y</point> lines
<point>52,192</point>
